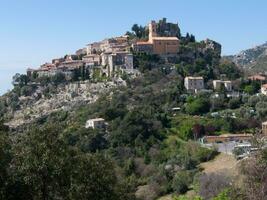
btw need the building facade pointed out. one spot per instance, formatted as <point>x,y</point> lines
<point>97,123</point>
<point>219,84</point>
<point>264,128</point>
<point>264,89</point>
<point>92,60</point>
<point>194,83</point>
<point>156,44</point>
<point>258,77</point>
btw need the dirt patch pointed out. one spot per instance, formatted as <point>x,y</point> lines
<point>222,162</point>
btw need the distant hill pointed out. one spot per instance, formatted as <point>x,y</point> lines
<point>253,60</point>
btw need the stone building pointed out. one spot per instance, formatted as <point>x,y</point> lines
<point>93,48</point>
<point>157,44</point>
<point>118,61</point>
<point>81,52</point>
<point>92,60</point>
<point>57,61</point>
<point>71,64</point>
<point>109,45</point>
<point>97,123</point>
<point>219,84</point>
<point>264,89</point>
<point>264,128</point>
<point>257,77</point>
<point>194,83</point>
<point>47,69</point>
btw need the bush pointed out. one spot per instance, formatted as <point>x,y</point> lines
<point>234,103</point>
<point>222,196</point>
<point>198,106</point>
<point>26,90</point>
<point>181,182</point>
<point>213,184</point>
<point>185,130</point>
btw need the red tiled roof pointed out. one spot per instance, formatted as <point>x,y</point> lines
<point>257,77</point>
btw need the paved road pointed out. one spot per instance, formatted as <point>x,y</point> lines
<point>226,147</point>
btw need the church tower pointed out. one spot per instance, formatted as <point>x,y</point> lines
<point>152,30</point>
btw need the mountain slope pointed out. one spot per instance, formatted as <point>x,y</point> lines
<point>254,59</point>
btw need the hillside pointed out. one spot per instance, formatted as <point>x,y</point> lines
<point>119,123</point>
<point>253,60</point>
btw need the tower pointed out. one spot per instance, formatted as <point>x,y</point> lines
<point>152,30</point>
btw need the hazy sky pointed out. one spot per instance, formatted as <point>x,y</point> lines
<point>35,31</point>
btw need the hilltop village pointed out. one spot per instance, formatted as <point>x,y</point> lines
<point>113,62</point>
<point>149,115</point>
<point>109,63</point>
<point>115,56</point>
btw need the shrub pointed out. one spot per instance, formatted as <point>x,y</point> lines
<point>198,106</point>
<point>181,182</point>
<point>213,184</point>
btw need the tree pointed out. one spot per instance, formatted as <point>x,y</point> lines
<point>139,31</point>
<point>188,38</point>
<point>138,126</point>
<point>54,170</point>
<point>93,177</point>
<point>254,171</point>
<point>41,161</point>
<point>185,130</point>
<point>198,106</point>
<point>181,182</point>
<point>11,186</point>
<point>198,131</point>
<point>20,80</point>
<point>88,140</point>
<point>4,163</point>
<point>249,89</point>
<point>229,69</point>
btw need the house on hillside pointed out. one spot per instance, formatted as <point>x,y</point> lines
<point>194,83</point>
<point>92,60</point>
<point>264,128</point>
<point>97,123</point>
<point>226,138</point>
<point>258,77</point>
<point>219,84</point>
<point>264,89</point>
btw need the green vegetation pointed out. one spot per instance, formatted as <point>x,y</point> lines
<point>149,149</point>
<point>138,31</point>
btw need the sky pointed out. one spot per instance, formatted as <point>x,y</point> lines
<point>33,32</point>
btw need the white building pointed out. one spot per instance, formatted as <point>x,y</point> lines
<point>264,128</point>
<point>194,83</point>
<point>218,84</point>
<point>264,89</point>
<point>95,123</point>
